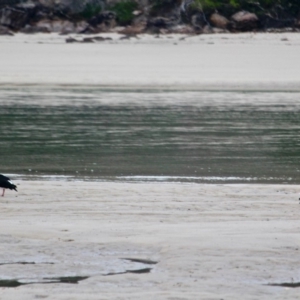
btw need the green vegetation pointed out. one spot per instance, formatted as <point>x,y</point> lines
<point>90,11</point>
<point>162,6</point>
<point>124,11</point>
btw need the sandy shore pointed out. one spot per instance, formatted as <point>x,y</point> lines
<point>209,241</point>
<point>224,61</point>
<point>194,241</point>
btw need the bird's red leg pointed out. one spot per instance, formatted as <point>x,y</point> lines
<point>3,192</point>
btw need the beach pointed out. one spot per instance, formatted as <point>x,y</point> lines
<point>200,62</point>
<point>198,241</point>
<point>74,238</point>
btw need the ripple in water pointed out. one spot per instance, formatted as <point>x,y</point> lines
<point>95,134</point>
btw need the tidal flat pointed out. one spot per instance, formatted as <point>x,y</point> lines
<point>154,167</point>
<point>109,240</point>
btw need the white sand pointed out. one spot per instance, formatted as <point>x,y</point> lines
<point>241,61</point>
<point>210,241</point>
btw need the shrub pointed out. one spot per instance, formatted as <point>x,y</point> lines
<point>124,11</point>
<point>159,7</point>
<point>90,11</point>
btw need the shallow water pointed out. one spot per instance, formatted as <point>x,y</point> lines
<point>139,135</point>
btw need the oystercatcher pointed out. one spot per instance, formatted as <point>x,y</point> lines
<point>5,183</point>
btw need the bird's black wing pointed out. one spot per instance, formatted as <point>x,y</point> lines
<point>2,177</point>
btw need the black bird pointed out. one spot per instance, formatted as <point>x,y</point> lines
<point>5,183</point>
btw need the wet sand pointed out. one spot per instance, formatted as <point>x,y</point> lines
<point>209,241</point>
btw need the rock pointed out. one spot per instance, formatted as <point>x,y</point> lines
<point>244,21</point>
<point>63,26</point>
<point>183,29</point>
<point>268,21</point>
<point>44,26</point>
<point>4,3</point>
<point>13,18</point>
<point>140,20</point>
<point>28,6</point>
<point>101,38</point>
<point>127,37</point>
<point>33,29</point>
<point>207,29</point>
<point>60,26</point>
<point>93,39</point>
<point>219,30</point>
<point>198,21</point>
<point>103,22</point>
<point>219,21</point>
<point>47,3</point>
<point>72,6</point>
<point>71,40</point>
<point>160,24</point>
<point>88,40</point>
<point>5,31</point>
<point>16,17</point>
<point>137,13</point>
<point>106,18</point>
<point>81,27</point>
<point>133,30</point>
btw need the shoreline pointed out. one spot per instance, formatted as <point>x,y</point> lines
<point>205,87</point>
<point>152,179</point>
